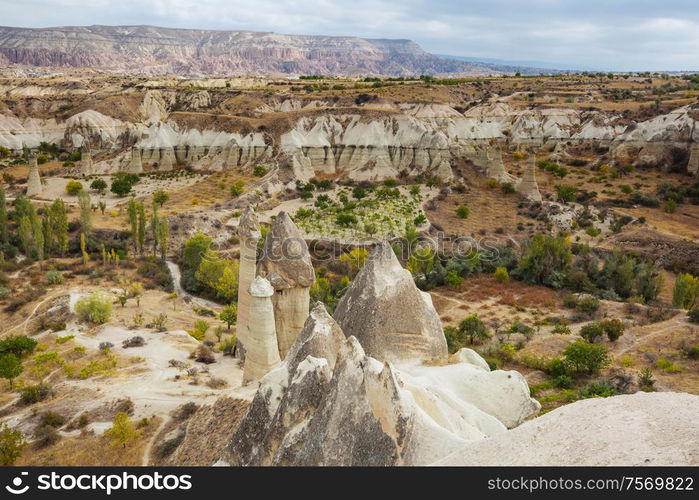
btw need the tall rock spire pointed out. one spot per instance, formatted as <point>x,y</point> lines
<point>693,163</point>
<point>249,234</point>
<point>496,168</point>
<point>390,317</point>
<point>528,187</point>
<point>167,159</point>
<point>135,163</point>
<point>286,263</point>
<point>34,187</point>
<point>261,349</point>
<point>86,161</point>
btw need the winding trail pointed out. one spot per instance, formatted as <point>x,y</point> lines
<point>149,446</point>
<point>181,292</point>
<point>23,324</point>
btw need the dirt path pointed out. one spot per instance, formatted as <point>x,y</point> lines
<point>631,340</point>
<point>23,324</point>
<point>149,446</point>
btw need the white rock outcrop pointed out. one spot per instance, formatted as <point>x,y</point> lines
<point>630,430</point>
<point>249,234</point>
<point>329,403</point>
<point>286,263</point>
<point>392,319</point>
<point>34,187</point>
<point>261,350</point>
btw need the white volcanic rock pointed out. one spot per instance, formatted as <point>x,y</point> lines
<point>34,187</point>
<point>330,404</point>
<point>286,263</point>
<point>677,125</point>
<point>388,314</point>
<point>15,132</point>
<point>639,429</point>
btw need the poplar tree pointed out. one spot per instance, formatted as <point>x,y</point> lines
<point>132,211</point>
<point>163,236</point>
<point>3,218</point>
<point>141,227</point>
<point>85,213</point>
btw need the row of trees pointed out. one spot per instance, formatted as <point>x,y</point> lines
<point>140,225</point>
<point>39,233</point>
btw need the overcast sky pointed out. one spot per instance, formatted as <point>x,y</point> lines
<point>598,34</point>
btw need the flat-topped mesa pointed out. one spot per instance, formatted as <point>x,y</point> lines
<point>286,263</point>
<point>135,164</point>
<point>86,167</point>
<point>386,312</point>
<point>249,234</point>
<point>528,187</point>
<point>261,349</point>
<point>34,187</point>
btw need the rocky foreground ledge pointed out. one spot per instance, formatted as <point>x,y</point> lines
<point>658,428</point>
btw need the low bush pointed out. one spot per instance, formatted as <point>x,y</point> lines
<point>35,393</point>
<point>96,308</point>
<point>136,341</point>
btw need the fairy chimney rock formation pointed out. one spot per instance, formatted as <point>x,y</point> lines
<point>135,163</point>
<point>249,234</point>
<point>496,168</point>
<point>261,350</point>
<point>693,164</point>
<point>386,312</point>
<point>286,263</point>
<point>167,162</point>
<point>34,187</point>
<point>528,187</point>
<point>86,162</point>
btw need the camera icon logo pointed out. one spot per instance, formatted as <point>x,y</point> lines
<point>16,488</point>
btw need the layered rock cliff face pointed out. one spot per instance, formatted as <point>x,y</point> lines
<point>154,50</point>
<point>393,139</point>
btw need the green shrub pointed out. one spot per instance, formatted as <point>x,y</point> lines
<point>501,275</point>
<point>463,212</point>
<point>12,443</point>
<point>96,308</point>
<point>237,189</point>
<point>98,185</point>
<point>35,393</point>
<point>613,328</point>
<point>563,381</point>
<point>54,278</point>
<point>74,187</point>
<point>598,389</point>
<point>668,366</point>
<point>453,279</point>
<point>507,188</point>
<point>592,331</point>
<point>693,352</point>
<point>586,357</point>
<point>588,305</point>
<point>570,301</point>
<point>566,193</point>
<point>259,171</point>
<point>561,329</point>
<point>19,345</point>
<point>693,315</point>
<point>646,380</point>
